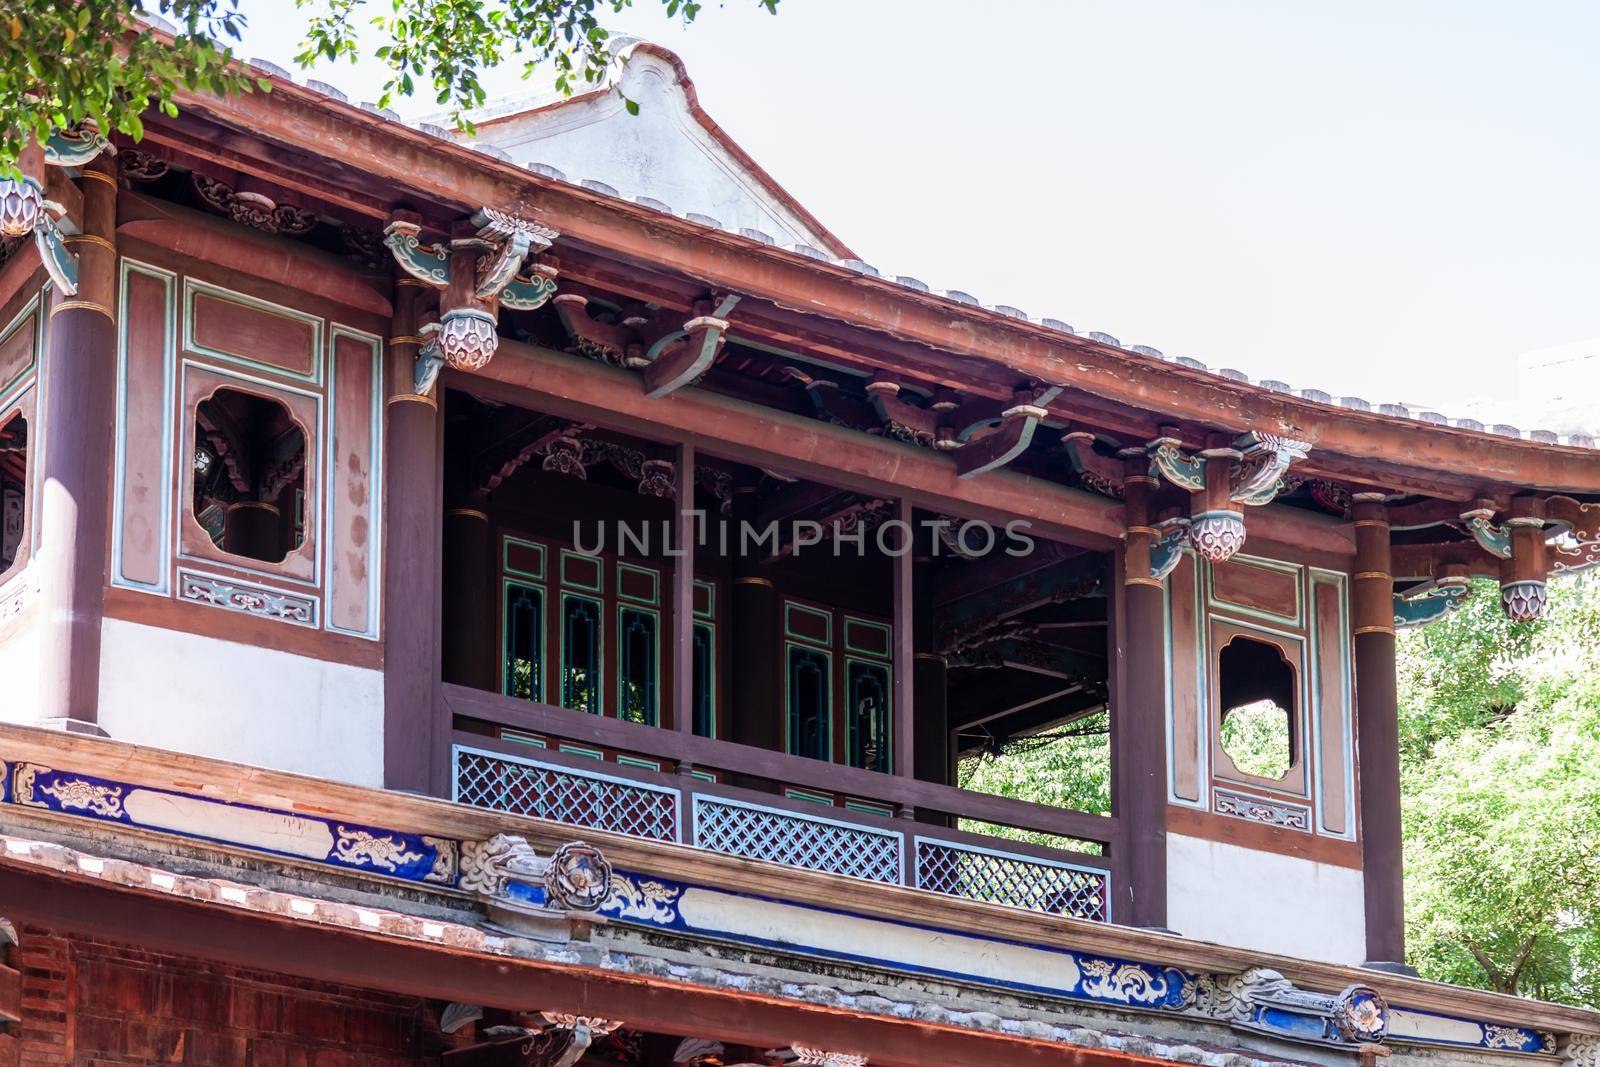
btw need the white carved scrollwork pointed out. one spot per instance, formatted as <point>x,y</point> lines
<point>1266,459</point>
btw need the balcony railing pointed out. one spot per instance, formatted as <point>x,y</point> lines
<point>663,785</point>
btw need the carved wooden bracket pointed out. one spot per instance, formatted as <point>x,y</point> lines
<point>25,211</point>
<point>1223,481</point>
<point>671,352</point>
<point>983,434</point>
<point>480,270</point>
<point>1433,599</point>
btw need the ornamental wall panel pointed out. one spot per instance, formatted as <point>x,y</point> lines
<point>1301,612</point>
<point>21,349</point>
<point>183,340</point>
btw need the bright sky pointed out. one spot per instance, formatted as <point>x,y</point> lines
<point>1383,200</point>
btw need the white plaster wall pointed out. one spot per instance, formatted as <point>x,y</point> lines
<point>19,676</point>
<point>1262,900</point>
<point>662,152</point>
<point>252,705</point>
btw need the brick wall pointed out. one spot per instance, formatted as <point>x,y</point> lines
<point>95,1003</point>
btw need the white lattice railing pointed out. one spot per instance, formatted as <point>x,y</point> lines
<point>1012,878</point>
<point>796,839</point>
<point>579,796</point>
<point>566,794</point>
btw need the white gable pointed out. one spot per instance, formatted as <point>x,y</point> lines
<point>663,152</point>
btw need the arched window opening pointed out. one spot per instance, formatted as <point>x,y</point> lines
<point>1258,708</point>
<point>249,475</point>
<point>13,488</point>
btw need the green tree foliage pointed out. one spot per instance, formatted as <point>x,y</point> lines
<point>1500,727</point>
<point>1067,768</point>
<point>63,62</point>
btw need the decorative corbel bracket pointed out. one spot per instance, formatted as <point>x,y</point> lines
<point>1169,460</point>
<point>429,264</point>
<point>1168,547</point>
<point>430,361</point>
<point>1248,473</point>
<point>1265,460</point>
<point>983,434</point>
<point>1493,538</point>
<point>510,240</point>
<point>60,264</point>
<point>681,357</point>
<point>1009,437</point>
<point>24,212</point>
<point>75,147</point>
<point>1432,601</point>
<point>506,242</point>
<point>531,291</point>
<point>565,1038</point>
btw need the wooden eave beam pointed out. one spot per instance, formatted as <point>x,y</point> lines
<point>806,447</point>
<point>457,176</point>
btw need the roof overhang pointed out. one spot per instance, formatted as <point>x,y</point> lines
<point>1462,463</point>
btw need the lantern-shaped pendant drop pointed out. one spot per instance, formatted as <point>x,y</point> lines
<point>20,205</point>
<point>1217,535</point>
<point>1523,601</point>
<point>467,338</point>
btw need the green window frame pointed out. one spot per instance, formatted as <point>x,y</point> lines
<point>582,655</point>
<point>869,718</point>
<point>638,665</point>
<point>522,640</point>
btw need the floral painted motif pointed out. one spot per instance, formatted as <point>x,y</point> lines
<point>366,849</point>
<point>1137,984</point>
<point>640,898</point>
<point>75,794</point>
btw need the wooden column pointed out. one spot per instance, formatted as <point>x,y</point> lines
<point>756,645</point>
<point>932,753</point>
<point>904,762</point>
<point>683,538</point>
<point>80,384</point>
<point>413,519</point>
<point>469,642</point>
<point>1378,736</point>
<point>1139,720</point>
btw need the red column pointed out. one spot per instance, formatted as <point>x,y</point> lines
<point>1139,758</point>
<point>79,413</point>
<point>469,642</point>
<point>1378,737</point>
<point>415,738</point>
<point>683,538</point>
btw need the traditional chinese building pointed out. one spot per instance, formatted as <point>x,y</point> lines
<point>531,599</point>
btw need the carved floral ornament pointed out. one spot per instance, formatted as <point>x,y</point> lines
<point>575,877</point>
<point>24,210</point>
<point>500,245</point>
<point>1536,538</point>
